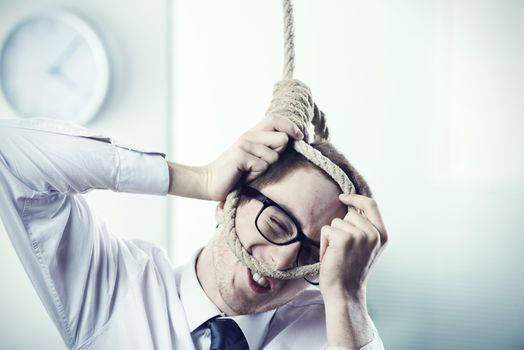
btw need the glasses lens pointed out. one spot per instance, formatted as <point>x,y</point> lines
<point>276,225</point>
<point>309,254</point>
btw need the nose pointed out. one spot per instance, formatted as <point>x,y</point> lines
<point>284,257</point>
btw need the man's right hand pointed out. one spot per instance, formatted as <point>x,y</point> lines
<point>249,156</point>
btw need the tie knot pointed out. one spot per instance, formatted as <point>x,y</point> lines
<point>226,335</point>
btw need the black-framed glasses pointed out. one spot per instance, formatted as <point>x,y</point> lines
<point>279,227</point>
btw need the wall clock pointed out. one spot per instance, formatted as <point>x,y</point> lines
<point>54,65</point>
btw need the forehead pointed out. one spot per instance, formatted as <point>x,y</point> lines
<point>309,196</point>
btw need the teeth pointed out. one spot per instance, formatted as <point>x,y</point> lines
<point>260,279</point>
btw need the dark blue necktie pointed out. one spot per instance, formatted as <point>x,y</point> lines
<point>226,335</point>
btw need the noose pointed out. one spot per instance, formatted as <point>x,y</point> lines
<point>291,99</point>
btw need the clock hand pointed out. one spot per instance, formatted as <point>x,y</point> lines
<point>62,58</point>
<point>66,80</point>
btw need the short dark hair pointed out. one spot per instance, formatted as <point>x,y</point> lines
<point>290,160</point>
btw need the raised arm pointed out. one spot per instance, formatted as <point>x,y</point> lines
<point>77,268</point>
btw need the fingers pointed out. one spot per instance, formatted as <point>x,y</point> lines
<point>257,153</point>
<point>254,166</point>
<point>347,256</point>
<point>369,208</point>
<point>262,144</point>
<point>331,236</point>
<point>274,139</point>
<point>345,235</point>
<point>261,151</point>
<point>250,155</point>
<point>281,124</point>
<point>359,227</point>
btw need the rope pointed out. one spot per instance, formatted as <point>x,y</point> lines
<point>289,42</point>
<point>293,100</point>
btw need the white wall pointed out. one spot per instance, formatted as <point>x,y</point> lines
<point>425,98</point>
<point>136,111</point>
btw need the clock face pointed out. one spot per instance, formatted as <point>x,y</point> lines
<point>54,66</point>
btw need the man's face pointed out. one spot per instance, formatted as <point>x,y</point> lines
<point>313,201</point>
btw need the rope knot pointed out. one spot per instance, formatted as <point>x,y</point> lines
<point>292,99</point>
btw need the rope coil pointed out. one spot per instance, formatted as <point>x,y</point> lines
<point>291,99</point>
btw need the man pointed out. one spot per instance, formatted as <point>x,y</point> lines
<point>104,292</point>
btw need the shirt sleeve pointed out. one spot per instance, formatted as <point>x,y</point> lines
<point>78,269</point>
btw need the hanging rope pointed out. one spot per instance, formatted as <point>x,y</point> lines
<point>289,41</point>
<point>291,99</point>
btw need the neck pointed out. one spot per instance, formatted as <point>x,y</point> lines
<point>207,279</point>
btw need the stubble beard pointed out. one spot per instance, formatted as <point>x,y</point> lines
<point>224,264</point>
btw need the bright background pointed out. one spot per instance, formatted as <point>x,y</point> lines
<point>424,97</point>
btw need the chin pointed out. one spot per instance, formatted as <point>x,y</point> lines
<point>245,306</point>
<point>233,286</point>
<point>243,301</point>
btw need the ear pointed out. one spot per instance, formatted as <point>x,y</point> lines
<point>219,212</point>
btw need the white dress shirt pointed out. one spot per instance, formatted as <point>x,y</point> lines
<point>102,291</point>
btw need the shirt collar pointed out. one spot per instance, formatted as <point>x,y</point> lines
<point>255,327</point>
<point>199,308</point>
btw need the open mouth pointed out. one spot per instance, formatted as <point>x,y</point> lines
<point>258,283</point>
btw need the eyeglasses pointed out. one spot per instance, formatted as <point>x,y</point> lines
<point>280,228</point>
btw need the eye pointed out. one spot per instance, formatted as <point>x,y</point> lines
<point>276,225</point>
<point>280,227</point>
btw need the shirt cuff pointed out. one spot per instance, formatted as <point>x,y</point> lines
<point>375,344</point>
<point>142,172</point>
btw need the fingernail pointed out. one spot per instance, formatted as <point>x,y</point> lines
<point>300,134</point>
